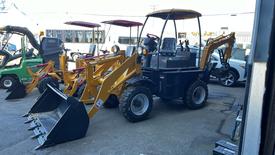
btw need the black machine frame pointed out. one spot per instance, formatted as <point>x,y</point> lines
<point>172,83</point>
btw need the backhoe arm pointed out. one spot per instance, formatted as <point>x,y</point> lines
<point>215,43</point>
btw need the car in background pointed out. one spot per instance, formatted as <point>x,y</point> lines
<point>237,63</point>
<point>237,70</point>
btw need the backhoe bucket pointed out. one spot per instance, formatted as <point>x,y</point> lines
<point>56,118</point>
<point>16,92</point>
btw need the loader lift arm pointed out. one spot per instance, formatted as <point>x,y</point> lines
<point>215,43</point>
<point>113,81</point>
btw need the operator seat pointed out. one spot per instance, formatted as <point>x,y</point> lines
<point>129,51</point>
<point>92,49</point>
<point>168,47</point>
<point>167,51</point>
<point>173,57</point>
<point>50,49</point>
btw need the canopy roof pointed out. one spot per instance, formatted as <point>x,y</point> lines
<point>175,14</point>
<point>21,31</point>
<point>82,23</point>
<point>124,23</point>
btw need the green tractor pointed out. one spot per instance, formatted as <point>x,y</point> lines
<point>14,61</point>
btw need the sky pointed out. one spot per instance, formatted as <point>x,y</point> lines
<point>39,15</point>
<point>44,13</point>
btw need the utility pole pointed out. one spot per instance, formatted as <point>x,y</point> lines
<point>3,7</point>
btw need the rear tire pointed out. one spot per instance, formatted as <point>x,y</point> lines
<point>111,102</point>
<point>8,82</point>
<point>42,85</point>
<point>196,95</point>
<point>136,103</point>
<point>229,79</point>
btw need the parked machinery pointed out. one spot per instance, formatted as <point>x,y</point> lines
<point>157,69</point>
<point>54,70</point>
<point>75,78</point>
<point>86,86</point>
<point>94,43</point>
<point>224,56</point>
<point>14,63</point>
<point>50,48</point>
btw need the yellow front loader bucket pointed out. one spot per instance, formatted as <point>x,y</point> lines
<point>56,118</point>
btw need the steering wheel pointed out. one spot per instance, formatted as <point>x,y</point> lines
<point>104,51</point>
<point>17,52</point>
<point>152,36</point>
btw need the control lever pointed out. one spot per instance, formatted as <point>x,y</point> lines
<point>187,49</point>
<point>181,46</point>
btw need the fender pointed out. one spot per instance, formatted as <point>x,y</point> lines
<point>142,81</point>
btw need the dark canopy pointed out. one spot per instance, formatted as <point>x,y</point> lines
<point>82,23</point>
<point>22,31</point>
<point>175,14</point>
<point>124,23</point>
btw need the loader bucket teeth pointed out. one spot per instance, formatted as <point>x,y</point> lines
<point>17,92</point>
<point>56,118</point>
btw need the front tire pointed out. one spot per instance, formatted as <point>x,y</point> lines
<point>8,82</point>
<point>42,85</point>
<point>136,103</point>
<point>196,95</point>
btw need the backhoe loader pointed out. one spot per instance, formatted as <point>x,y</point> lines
<point>159,68</point>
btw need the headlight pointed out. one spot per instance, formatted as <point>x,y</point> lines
<point>142,51</point>
<point>115,49</point>
<point>145,51</point>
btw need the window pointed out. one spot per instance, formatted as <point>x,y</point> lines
<point>126,40</point>
<point>89,37</point>
<point>59,34</point>
<point>68,36</point>
<point>78,36</point>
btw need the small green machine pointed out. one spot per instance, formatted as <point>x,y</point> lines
<point>14,60</point>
